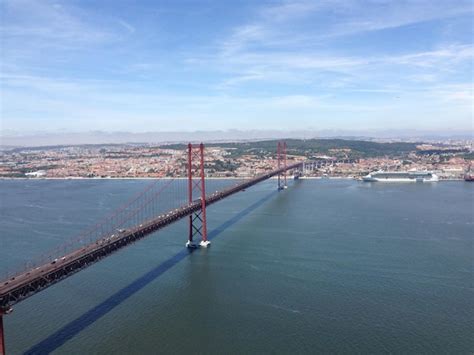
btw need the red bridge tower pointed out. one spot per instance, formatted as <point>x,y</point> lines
<point>197,192</point>
<point>281,157</point>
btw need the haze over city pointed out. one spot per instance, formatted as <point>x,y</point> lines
<point>151,66</point>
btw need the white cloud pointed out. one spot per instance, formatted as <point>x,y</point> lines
<point>241,37</point>
<point>378,15</point>
<point>291,10</point>
<point>61,104</point>
<point>461,94</point>
<point>280,63</point>
<point>126,25</point>
<point>44,23</point>
<point>277,24</point>
<point>273,48</point>
<point>442,58</point>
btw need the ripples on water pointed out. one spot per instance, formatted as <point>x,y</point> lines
<point>325,266</point>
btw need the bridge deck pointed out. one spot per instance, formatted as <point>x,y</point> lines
<point>33,281</point>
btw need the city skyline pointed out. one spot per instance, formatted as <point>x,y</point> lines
<point>299,65</point>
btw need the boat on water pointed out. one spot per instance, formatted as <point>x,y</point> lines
<point>401,176</point>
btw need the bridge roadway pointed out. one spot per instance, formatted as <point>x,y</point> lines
<point>33,281</point>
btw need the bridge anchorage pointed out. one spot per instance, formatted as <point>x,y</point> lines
<point>130,223</point>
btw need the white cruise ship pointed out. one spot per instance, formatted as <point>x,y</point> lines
<point>401,176</point>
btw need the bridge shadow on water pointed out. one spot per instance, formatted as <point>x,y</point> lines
<point>74,327</point>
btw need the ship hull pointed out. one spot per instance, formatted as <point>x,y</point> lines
<point>398,180</point>
<point>400,177</point>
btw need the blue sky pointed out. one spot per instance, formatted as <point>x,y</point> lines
<point>202,65</point>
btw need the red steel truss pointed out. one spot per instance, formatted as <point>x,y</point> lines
<point>281,158</point>
<point>197,189</point>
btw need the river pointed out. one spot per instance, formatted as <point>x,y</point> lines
<point>333,266</point>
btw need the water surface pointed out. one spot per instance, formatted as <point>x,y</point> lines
<point>324,266</point>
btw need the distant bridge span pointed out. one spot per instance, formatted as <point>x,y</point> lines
<point>34,280</point>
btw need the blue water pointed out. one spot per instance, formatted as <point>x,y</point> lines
<point>324,266</point>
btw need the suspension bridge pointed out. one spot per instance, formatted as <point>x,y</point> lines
<point>162,203</point>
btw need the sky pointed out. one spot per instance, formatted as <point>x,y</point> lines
<point>138,66</point>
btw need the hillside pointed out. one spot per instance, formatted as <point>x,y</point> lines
<point>311,147</point>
